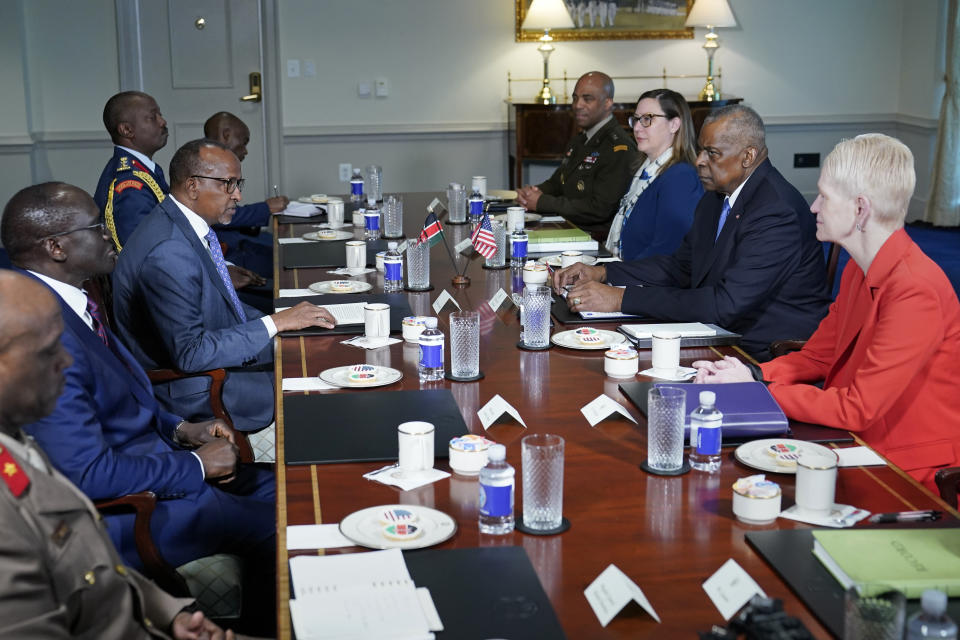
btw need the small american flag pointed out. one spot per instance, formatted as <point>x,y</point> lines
<point>482,238</point>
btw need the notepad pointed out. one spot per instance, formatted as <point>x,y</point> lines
<point>684,329</point>
<point>351,313</point>
<point>911,560</point>
<point>358,595</point>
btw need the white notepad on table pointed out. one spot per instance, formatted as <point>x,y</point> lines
<point>685,329</point>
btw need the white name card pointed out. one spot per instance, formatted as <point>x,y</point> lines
<point>601,407</point>
<point>611,592</point>
<point>730,588</point>
<point>442,300</point>
<point>497,406</point>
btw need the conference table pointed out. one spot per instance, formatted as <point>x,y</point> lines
<point>668,534</point>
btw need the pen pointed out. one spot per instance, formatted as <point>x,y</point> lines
<point>906,516</point>
<point>276,191</point>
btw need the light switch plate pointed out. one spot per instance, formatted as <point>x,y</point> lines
<point>364,89</point>
<point>293,68</point>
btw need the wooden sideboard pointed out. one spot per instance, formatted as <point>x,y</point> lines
<point>542,131</point>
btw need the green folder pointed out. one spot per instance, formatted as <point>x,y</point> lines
<point>911,560</point>
<point>545,236</point>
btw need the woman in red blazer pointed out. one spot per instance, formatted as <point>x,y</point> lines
<point>887,351</point>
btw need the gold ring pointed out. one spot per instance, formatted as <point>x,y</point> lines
<point>576,301</point>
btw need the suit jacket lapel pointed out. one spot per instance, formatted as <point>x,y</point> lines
<point>173,211</point>
<point>705,250</point>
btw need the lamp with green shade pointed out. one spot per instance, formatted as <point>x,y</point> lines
<point>546,15</point>
<point>711,14</point>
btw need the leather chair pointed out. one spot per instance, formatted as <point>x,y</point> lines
<point>783,347</point>
<point>948,481</point>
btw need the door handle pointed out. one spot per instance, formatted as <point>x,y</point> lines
<point>256,92</point>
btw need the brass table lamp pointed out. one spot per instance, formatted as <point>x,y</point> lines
<point>546,15</point>
<point>710,14</point>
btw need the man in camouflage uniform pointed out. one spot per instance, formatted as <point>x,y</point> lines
<point>596,168</point>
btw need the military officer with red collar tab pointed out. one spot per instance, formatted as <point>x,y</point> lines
<point>131,184</point>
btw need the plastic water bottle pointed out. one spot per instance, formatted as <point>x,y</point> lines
<point>497,481</point>
<point>476,207</point>
<point>518,246</point>
<point>430,366</point>
<point>392,269</point>
<point>371,224</point>
<point>356,185</point>
<point>705,433</point>
<point>932,621</point>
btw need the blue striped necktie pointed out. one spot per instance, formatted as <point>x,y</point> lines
<point>723,217</point>
<point>221,265</point>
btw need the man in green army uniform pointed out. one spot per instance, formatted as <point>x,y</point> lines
<point>596,168</point>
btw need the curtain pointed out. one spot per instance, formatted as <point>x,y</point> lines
<point>943,207</point>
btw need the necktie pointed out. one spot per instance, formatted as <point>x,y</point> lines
<point>723,217</point>
<point>94,310</point>
<point>217,256</point>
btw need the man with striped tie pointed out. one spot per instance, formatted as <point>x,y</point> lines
<point>176,307</point>
<point>751,262</point>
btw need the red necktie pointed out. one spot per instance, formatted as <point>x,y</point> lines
<point>94,312</point>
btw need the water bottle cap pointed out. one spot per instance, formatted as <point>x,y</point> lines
<point>497,453</point>
<point>431,323</point>
<point>708,398</point>
<point>391,246</point>
<point>934,602</point>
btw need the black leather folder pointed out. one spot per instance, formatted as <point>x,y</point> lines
<point>361,425</point>
<point>324,254</point>
<point>489,592</point>
<point>399,309</point>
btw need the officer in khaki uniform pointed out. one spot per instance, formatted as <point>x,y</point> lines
<point>596,168</point>
<point>60,576</point>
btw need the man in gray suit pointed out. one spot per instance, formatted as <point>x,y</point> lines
<point>176,307</point>
<point>60,576</point>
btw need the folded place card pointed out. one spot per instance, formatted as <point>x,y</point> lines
<point>603,406</point>
<point>730,588</point>
<point>295,293</point>
<point>610,593</point>
<point>463,245</point>
<point>497,406</point>
<point>442,300</point>
<point>498,299</point>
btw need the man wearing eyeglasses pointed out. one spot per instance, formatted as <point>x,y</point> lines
<point>176,307</point>
<point>596,168</point>
<point>108,435</point>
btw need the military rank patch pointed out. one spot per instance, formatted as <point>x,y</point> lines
<point>61,534</point>
<point>124,164</point>
<point>12,474</point>
<point>580,185</point>
<point>126,184</point>
<point>621,147</point>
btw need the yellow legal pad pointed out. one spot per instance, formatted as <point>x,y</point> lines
<point>910,560</point>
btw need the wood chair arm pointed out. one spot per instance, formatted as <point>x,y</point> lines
<point>217,378</point>
<point>948,481</point>
<point>142,504</point>
<point>783,347</point>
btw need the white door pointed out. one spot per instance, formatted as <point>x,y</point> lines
<point>196,60</point>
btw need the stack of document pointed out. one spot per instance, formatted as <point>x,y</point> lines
<point>302,210</point>
<point>357,596</point>
<point>684,329</point>
<point>557,240</point>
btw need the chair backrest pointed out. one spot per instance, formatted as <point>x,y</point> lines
<point>948,481</point>
<point>833,257</point>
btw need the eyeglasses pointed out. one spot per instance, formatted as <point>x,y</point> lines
<point>98,226</point>
<point>646,119</point>
<point>232,183</point>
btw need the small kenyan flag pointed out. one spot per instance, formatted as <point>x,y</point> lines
<point>432,231</point>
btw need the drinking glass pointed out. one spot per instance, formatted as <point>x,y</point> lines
<point>465,344</point>
<point>418,266</point>
<point>536,316</point>
<point>500,237</point>
<point>666,408</point>
<point>373,184</point>
<point>542,462</point>
<point>457,203</point>
<point>393,216</point>
<point>878,616</point>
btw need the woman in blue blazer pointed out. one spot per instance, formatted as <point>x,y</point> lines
<point>657,209</point>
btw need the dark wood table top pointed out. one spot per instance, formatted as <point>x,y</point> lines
<point>667,534</point>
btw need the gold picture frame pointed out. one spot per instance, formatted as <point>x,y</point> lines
<point>639,20</point>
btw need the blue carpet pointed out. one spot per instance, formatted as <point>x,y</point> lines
<point>941,244</point>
